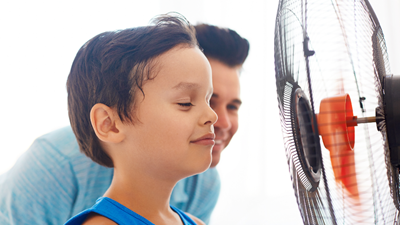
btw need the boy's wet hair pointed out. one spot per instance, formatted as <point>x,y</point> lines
<point>222,44</point>
<point>111,67</point>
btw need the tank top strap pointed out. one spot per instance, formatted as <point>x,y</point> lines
<point>184,217</point>
<point>118,213</point>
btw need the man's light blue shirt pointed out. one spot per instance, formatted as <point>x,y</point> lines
<point>53,181</point>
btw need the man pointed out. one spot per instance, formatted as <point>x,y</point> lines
<point>54,181</point>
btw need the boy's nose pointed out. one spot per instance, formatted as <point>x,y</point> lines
<point>212,117</point>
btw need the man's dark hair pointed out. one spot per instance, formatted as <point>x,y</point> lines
<point>111,67</point>
<point>222,44</point>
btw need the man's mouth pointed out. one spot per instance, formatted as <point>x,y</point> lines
<point>219,142</point>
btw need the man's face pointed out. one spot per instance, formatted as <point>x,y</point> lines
<point>225,101</point>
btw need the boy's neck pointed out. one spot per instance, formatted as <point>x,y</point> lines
<point>145,195</point>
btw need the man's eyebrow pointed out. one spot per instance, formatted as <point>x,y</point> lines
<point>186,85</point>
<point>237,101</point>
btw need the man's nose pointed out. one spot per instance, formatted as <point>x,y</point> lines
<point>223,121</point>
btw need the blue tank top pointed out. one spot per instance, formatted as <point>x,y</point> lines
<point>120,214</point>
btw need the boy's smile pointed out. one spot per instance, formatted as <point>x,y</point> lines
<point>207,139</point>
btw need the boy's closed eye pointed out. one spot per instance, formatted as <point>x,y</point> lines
<point>188,104</point>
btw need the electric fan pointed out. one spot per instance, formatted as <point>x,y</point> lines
<point>340,111</point>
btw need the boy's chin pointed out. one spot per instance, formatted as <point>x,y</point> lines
<point>200,168</point>
<point>207,165</point>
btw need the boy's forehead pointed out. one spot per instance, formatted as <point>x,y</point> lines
<point>181,67</point>
<point>186,85</point>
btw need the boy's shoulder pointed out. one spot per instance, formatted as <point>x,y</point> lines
<point>96,219</point>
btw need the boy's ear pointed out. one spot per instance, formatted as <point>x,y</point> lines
<point>106,123</point>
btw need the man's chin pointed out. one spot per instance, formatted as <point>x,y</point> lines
<point>216,155</point>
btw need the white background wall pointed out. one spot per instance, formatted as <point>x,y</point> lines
<point>39,39</point>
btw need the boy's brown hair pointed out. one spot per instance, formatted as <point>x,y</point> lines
<point>111,67</point>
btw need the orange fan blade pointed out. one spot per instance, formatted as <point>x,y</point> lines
<point>338,137</point>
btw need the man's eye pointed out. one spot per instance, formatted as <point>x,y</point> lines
<point>232,107</point>
<point>186,104</point>
<point>211,104</point>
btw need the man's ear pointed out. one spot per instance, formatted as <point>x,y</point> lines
<point>106,123</point>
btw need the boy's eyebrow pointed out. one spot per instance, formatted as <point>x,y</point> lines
<point>236,100</point>
<point>186,85</point>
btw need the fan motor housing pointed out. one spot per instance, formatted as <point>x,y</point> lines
<point>392,116</point>
<point>306,140</point>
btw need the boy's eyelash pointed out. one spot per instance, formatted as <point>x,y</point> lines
<point>186,104</point>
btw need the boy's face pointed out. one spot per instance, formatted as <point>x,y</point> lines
<point>174,133</point>
<point>225,102</point>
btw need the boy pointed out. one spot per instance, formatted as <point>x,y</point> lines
<point>30,191</point>
<point>138,101</point>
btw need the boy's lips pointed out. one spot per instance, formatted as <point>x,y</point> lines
<point>207,139</point>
